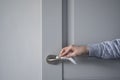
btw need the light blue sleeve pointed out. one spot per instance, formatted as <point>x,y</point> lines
<point>106,49</point>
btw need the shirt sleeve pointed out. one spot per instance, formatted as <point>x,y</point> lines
<point>106,49</point>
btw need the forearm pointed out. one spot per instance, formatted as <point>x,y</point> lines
<point>106,49</point>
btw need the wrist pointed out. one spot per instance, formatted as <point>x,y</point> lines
<point>85,50</point>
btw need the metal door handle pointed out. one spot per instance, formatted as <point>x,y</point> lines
<point>54,59</point>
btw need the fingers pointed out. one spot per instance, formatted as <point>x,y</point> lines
<point>61,52</point>
<point>72,51</point>
<point>65,51</point>
<point>73,54</point>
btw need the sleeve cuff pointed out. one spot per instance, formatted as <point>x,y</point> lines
<point>93,50</point>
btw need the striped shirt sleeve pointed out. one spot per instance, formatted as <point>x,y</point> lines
<point>106,49</point>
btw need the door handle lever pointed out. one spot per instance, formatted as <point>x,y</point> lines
<point>54,59</point>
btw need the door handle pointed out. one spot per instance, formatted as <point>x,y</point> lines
<point>54,59</point>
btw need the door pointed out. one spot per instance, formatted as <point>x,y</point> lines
<point>51,37</point>
<point>93,21</point>
<point>82,22</point>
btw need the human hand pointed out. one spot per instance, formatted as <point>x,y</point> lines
<point>73,50</point>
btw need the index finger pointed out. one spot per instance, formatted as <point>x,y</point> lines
<point>65,51</point>
<point>60,54</point>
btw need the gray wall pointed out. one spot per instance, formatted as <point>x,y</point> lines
<point>93,21</point>
<point>20,39</point>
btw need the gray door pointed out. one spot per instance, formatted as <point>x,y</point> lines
<point>93,21</point>
<point>51,37</point>
<point>80,22</point>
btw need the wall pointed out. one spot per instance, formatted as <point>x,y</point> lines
<point>20,39</point>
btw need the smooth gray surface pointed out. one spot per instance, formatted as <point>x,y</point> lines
<point>96,20</point>
<point>93,21</point>
<point>20,39</point>
<point>52,37</point>
<point>70,21</point>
